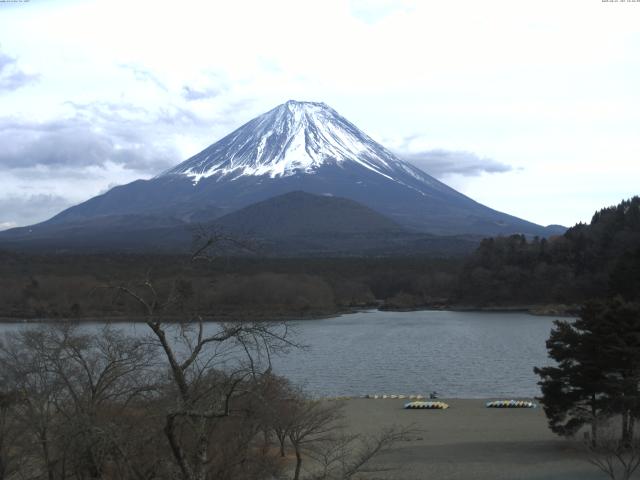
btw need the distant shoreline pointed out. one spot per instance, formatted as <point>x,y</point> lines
<point>537,310</point>
<point>545,310</point>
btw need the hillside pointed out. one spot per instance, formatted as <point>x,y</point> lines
<point>589,261</point>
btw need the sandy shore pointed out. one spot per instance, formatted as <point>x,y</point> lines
<point>469,441</point>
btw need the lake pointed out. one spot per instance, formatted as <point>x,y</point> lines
<point>457,354</point>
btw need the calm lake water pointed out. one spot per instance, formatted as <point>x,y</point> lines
<point>458,354</point>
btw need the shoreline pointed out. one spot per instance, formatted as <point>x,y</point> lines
<point>425,397</point>
<point>542,310</point>
<point>537,310</point>
<point>226,317</point>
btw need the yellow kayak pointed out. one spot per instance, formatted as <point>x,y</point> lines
<point>511,404</point>
<point>427,405</point>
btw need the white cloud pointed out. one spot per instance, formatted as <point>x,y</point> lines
<point>7,225</point>
<point>12,77</point>
<point>442,163</point>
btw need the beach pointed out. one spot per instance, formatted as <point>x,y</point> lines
<point>468,441</point>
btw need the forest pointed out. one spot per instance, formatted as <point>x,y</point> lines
<point>589,261</point>
<point>595,260</point>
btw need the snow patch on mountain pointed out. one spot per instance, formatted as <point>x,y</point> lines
<point>295,137</point>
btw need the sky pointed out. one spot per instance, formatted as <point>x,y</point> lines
<point>529,107</point>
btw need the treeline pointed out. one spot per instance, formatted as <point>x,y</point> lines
<point>597,260</point>
<point>82,286</point>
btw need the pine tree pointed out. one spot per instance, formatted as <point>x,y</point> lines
<point>598,369</point>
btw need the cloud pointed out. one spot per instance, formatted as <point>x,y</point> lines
<point>85,147</point>
<point>108,187</point>
<point>49,165</point>
<point>78,145</point>
<point>145,75</point>
<point>190,93</point>
<point>75,143</point>
<point>96,134</point>
<point>127,119</point>
<point>440,163</point>
<point>372,11</point>
<point>11,76</point>
<point>7,225</point>
<point>28,209</point>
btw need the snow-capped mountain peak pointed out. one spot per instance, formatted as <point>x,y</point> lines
<point>295,137</point>
<point>296,147</point>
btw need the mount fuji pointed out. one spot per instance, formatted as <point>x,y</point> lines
<point>296,147</point>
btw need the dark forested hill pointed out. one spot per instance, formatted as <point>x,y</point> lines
<point>301,213</point>
<point>590,260</point>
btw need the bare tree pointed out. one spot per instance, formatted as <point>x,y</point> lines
<point>24,372</point>
<point>102,374</point>
<point>617,458</point>
<point>211,367</point>
<point>73,389</point>
<point>279,400</point>
<point>345,456</point>
<point>316,431</point>
<point>311,422</point>
<point>10,434</point>
<point>210,243</point>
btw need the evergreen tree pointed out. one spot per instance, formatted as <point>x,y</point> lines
<point>598,369</point>
<point>617,324</point>
<point>572,395</point>
<point>625,277</point>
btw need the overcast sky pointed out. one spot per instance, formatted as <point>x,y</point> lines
<point>531,107</point>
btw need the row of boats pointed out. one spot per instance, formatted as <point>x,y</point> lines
<point>427,405</point>
<point>493,404</point>
<point>511,404</point>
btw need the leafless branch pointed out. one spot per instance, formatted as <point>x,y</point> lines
<point>615,458</point>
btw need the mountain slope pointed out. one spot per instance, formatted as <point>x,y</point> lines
<point>293,224</point>
<point>301,213</point>
<point>128,232</point>
<point>300,223</point>
<point>297,146</point>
